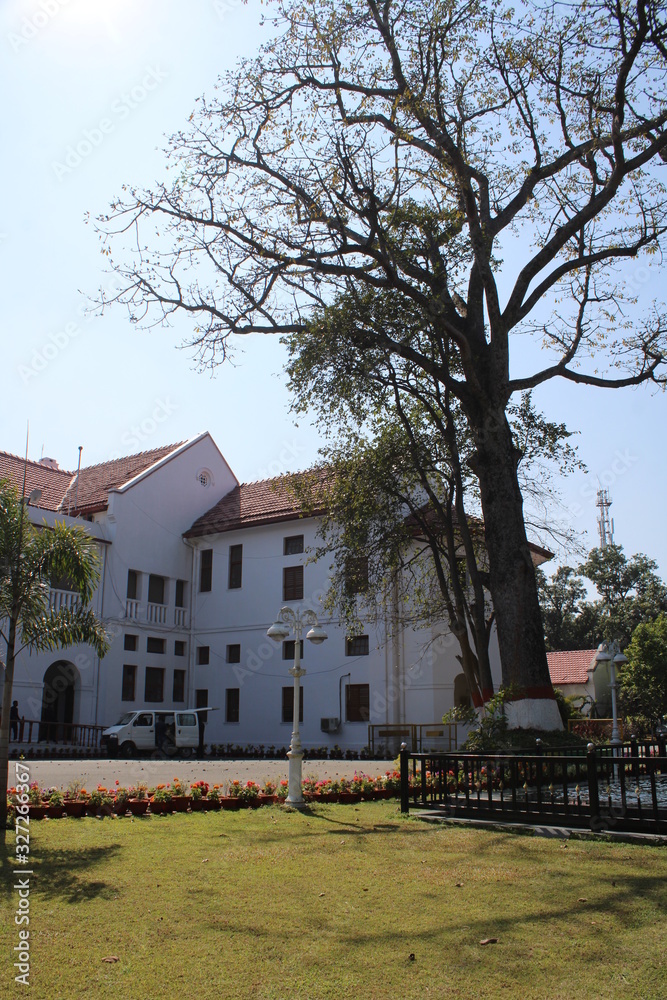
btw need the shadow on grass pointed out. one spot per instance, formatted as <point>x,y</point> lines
<point>62,873</point>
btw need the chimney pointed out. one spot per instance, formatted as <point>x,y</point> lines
<point>48,463</point>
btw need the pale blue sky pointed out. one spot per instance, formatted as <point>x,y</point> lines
<point>121,74</point>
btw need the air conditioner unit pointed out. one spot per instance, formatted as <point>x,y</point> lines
<point>329,725</point>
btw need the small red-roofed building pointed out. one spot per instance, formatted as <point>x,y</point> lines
<point>576,672</point>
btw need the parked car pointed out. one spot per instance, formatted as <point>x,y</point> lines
<point>145,730</point>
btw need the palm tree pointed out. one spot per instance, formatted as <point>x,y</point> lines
<point>30,557</point>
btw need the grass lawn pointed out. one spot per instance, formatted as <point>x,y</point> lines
<point>332,903</point>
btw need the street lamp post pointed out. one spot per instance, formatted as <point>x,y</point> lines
<point>289,620</point>
<point>610,652</point>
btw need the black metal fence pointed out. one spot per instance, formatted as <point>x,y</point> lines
<point>32,732</point>
<point>620,788</point>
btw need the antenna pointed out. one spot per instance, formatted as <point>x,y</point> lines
<point>605,525</point>
<point>78,470</point>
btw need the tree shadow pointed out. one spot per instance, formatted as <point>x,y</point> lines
<point>62,874</point>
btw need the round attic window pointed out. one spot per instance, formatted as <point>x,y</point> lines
<point>204,478</point>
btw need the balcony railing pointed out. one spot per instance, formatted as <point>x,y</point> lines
<point>59,599</point>
<point>156,614</point>
<point>181,617</point>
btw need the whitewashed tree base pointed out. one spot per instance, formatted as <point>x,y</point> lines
<point>533,713</point>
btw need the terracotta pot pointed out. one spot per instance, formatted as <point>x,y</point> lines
<point>349,797</point>
<point>120,808</point>
<point>180,803</point>
<point>37,811</point>
<point>138,807</point>
<point>211,804</point>
<point>198,805</point>
<point>160,807</point>
<point>75,807</point>
<point>55,812</point>
<point>228,802</point>
<point>265,800</point>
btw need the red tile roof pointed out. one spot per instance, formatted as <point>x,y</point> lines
<point>52,482</point>
<point>95,481</point>
<point>570,666</point>
<point>251,504</point>
<point>58,486</point>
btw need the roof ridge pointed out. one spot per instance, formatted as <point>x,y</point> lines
<point>36,462</point>
<point>136,454</point>
<point>283,475</point>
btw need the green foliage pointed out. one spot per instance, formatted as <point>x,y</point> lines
<point>464,714</point>
<point>644,677</point>
<point>30,558</point>
<point>630,593</point>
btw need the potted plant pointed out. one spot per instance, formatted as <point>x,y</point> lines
<point>137,801</point>
<point>100,802</point>
<point>121,800</point>
<point>282,790</point>
<point>56,804</point>
<point>160,801</point>
<point>212,800</point>
<point>37,806</point>
<point>249,794</point>
<point>232,800</point>
<point>198,791</point>
<point>180,800</point>
<point>267,795</point>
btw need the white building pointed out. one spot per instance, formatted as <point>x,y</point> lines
<point>193,570</point>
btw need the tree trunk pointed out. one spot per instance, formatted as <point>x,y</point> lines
<point>512,579</point>
<point>4,728</point>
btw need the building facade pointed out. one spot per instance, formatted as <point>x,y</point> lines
<point>194,567</point>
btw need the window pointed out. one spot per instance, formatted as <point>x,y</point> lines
<point>131,643</point>
<point>179,647</point>
<point>178,692</point>
<point>232,705</point>
<point>203,655</point>
<point>129,682</point>
<point>288,704</point>
<point>155,645</point>
<point>155,589</point>
<point>288,649</point>
<point>201,698</point>
<point>357,703</point>
<point>293,583</point>
<point>154,685</point>
<point>179,597</point>
<point>356,575</point>
<point>206,571</point>
<point>357,645</point>
<point>235,566</point>
<point>132,584</point>
<point>234,652</point>
<point>292,545</point>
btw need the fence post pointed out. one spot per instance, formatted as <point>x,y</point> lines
<point>405,779</point>
<point>634,753</point>
<point>538,773</point>
<point>593,796</point>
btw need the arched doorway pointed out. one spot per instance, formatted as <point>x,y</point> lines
<point>461,692</point>
<point>59,702</point>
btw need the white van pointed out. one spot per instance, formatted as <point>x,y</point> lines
<point>147,730</point>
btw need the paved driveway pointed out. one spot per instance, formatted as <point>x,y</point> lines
<point>91,773</point>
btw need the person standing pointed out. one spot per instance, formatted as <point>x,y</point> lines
<point>14,721</point>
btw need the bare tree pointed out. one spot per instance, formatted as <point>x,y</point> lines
<point>492,165</point>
